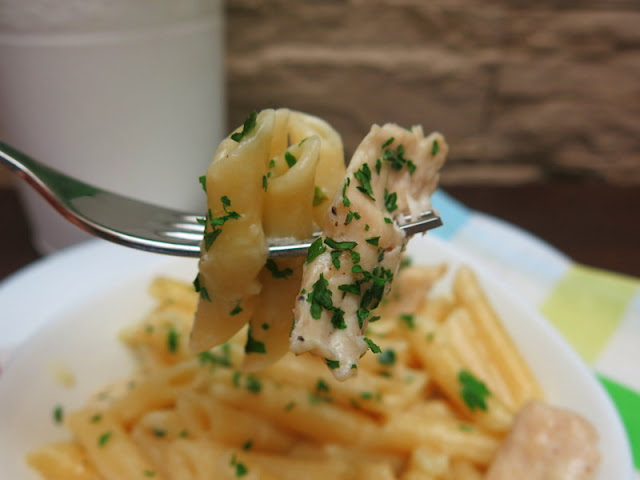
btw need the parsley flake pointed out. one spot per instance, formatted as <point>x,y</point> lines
<point>173,339</point>
<point>409,320</point>
<point>253,384</point>
<point>315,249</point>
<point>364,177</point>
<point>373,241</point>
<point>236,310</point>
<point>387,357</point>
<point>435,147</point>
<point>290,158</point>
<point>320,297</point>
<point>104,438</point>
<point>240,468</point>
<point>318,196</point>
<point>203,182</point>
<point>272,266</point>
<point>390,200</point>
<point>247,127</point>
<point>254,346</point>
<point>374,348</point>
<point>473,391</point>
<point>337,319</point>
<point>332,364</point>
<point>213,358</point>
<point>345,245</point>
<point>335,258</point>
<point>58,414</point>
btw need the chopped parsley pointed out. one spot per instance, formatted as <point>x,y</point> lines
<point>350,288</point>
<point>240,468</point>
<point>248,445</point>
<point>203,182</point>
<point>435,147</point>
<point>390,200</point>
<point>397,160</point>
<point>211,235</point>
<point>149,473</point>
<point>322,385</point>
<point>290,158</point>
<point>253,345</point>
<point>173,339</point>
<point>318,196</point>
<point>387,357</point>
<point>236,310</point>
<point>320,297</point>
<point>337,319</point>
<point>58,414</point>
<point>332,364</point>
<point>364,177</point>
<point>247,127</point>
<point>95,418</point>
<point>346,245</point>
<point>104,438</point>
<point>374,348</point>
<point>264,183</point>
<point>345,200</point>
<point>473,391</point>
<point>315,249</point>
<point>388,142</point>
<point>373,241</point>
<point>272,266</point>
<point>204,293</point>
<point>211,357</point>
<point>335,258</point>
<point>253,384</point>
<point>409,320</point>
<point>289,406</point>
<point>159,432</point>
<point>350,216</point>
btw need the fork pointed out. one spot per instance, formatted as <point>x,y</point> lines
<point>137,224</point>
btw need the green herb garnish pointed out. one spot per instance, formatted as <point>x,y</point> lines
<point>254,346</point>
<point>390,200</point>
<point>247,127</point>
<point>364,177</point>
<point>387,357</point>
<point>374,348</point>
<point>473,391</point>
<point>318,196</point>
<point>272,266</point>
<point>315,249</point>
<point>173,339</point>
<point>104,438</point>
<point>58,414</point>
<point>290,158</point>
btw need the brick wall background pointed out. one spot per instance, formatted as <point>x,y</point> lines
<point>524,91</point>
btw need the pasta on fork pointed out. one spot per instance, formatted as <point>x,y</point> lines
<point>282,175</point>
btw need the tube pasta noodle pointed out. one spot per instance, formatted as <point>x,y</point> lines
<point>271,178</point>
<point>186,416</point>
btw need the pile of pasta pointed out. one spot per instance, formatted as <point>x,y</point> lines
<point>435,402</point>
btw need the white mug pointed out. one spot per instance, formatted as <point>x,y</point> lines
<point>131,102</point>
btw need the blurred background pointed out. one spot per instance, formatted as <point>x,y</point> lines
<point>528,94</point>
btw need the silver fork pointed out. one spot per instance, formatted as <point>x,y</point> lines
<point>138,224</point>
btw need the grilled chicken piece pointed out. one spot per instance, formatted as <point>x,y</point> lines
<point>392,174</point>
<point>547,443</point>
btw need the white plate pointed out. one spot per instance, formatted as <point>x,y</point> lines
<point>78,301</point>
